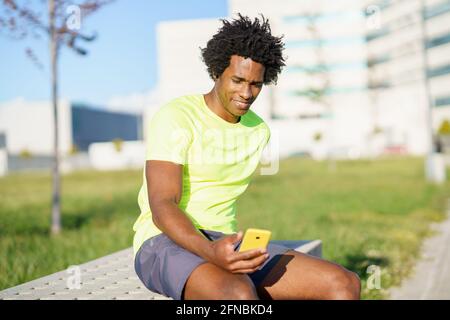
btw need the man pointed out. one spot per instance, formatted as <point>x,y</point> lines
<point>201,152</point>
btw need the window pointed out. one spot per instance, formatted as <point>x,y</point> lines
<point>437,10</point>
<point>442,101</point>
<point>436,72</point>
<point>437,41</point>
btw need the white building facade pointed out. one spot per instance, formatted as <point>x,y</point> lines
<point>27,136</point>
<point>28,127</point>
<point>410,46</point>
<point>327,61</point>
<point>353,84</point>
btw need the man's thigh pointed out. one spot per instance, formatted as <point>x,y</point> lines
<point>210,282</point>
<point>302,277</point>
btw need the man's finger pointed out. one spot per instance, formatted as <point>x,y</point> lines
<point>250,263</point>
<point>248,254</point>
<point>236,237</point>
<point>239,256</point>
<point>245,271</point>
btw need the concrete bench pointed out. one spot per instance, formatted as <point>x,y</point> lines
<point>111,277</point>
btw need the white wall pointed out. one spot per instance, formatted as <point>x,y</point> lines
<point>403,112</point>
<point>104,155</point>
<point>29,126</point>
<point>181,69</point>
<point>3,162</point>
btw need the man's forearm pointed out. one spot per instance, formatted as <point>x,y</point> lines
<point>177,226</point>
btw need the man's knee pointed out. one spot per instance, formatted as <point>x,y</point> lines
<point>345,285</point>
<point>239,290</point>
<point>210,282</point>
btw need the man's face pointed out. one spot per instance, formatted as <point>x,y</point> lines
<point>239,85</point>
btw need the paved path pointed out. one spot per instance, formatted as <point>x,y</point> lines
<point>431,277</point>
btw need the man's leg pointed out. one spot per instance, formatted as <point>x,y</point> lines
<point>297,276</point>
<point>210,282</point>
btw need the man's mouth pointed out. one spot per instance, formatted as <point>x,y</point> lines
<point>242,105</point>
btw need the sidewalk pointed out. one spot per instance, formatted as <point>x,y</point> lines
<point>431,277</point>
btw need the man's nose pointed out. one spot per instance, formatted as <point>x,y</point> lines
<point>246,92</point>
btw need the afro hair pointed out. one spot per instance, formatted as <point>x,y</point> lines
<point>248,39</point>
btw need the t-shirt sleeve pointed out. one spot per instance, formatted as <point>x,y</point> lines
<point>268,136</point>
<point>169,136</point>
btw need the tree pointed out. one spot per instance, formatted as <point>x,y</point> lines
<point>444,128</point>
<point>20,19</point>
<point>319,77</point>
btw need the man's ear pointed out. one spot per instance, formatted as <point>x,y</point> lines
<point>216,80</point>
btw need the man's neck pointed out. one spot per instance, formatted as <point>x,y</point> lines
<point>213,103</point>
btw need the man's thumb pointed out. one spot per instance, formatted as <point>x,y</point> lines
<point>236,237</point>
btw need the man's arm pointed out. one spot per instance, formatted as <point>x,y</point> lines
<point>164,185</point>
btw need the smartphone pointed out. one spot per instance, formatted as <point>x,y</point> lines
<point>255,239</point>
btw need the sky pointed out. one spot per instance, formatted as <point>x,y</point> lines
<point>121,62</point>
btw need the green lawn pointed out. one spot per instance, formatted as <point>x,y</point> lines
<point>365,212</point>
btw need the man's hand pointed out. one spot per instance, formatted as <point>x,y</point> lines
<point>224,256</point>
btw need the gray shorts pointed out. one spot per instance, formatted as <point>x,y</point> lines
<point>164,267</point>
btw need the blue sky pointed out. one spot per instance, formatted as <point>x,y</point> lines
<point>122,61</point>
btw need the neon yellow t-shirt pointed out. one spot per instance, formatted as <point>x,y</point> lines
<point>218,159</point>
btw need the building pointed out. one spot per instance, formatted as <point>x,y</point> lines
<point>354,84</point>
<point>180,67</point>
<point>320,103</point>
<point>27,131</point>
<point>409,69</point>
<point>96,125</point>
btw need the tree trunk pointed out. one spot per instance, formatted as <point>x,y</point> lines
<point>56,210</point>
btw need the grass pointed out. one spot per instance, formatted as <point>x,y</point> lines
<point>365,212</point>
<point>98,210</point>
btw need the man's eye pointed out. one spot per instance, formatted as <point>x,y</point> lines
<point>236,81</point>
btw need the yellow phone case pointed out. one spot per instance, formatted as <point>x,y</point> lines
<point>254,239</point>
